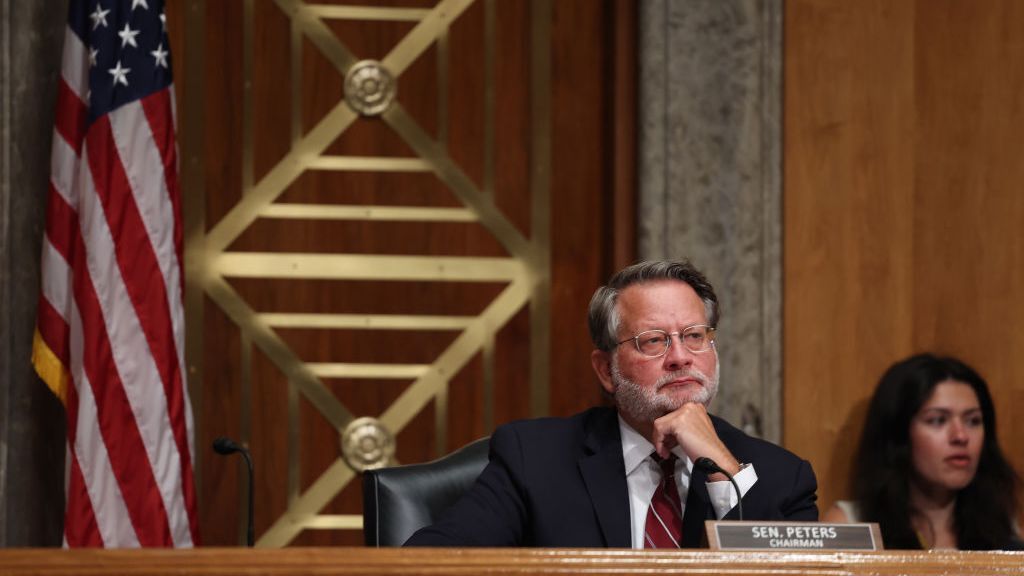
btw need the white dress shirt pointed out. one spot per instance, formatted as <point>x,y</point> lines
<point>643,476</point>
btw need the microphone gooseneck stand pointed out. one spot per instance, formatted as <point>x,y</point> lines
<point>225,446</point>
<point>710,467</point>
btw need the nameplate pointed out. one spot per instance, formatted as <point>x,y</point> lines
<point>754,535</point>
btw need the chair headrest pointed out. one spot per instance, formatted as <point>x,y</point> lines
<point>399,500</point>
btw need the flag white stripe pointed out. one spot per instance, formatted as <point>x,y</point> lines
<point>132,357</point>
<point>179,337</point>
<point>58,275</point>
<point>140,406</point>
<point>108,503</point>
<point>75,64</point>
<point>134,140</point>
<point>64,169</point>
<point>109,508</point>
<point>173,126</point>
<point>143,166</point>
<point>180,305</point>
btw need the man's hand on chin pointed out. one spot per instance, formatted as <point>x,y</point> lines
<point>690,427</point>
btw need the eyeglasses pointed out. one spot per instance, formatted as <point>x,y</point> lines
<point>655,343</point>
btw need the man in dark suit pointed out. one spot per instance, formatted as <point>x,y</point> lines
<point>624,476</point>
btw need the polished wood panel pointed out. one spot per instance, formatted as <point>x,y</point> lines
<point>848,174</point>
<point>902,208</point>
<point>969,197</point>
<point>593,184</point>
<point>514,561</point>
<point>563,77</point>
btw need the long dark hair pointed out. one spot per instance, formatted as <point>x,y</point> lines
<point>985,509</point>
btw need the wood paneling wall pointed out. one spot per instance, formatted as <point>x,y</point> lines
<point>904,208</point>
<point>588,90</point>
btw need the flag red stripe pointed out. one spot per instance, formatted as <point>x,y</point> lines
<point>72,418</point>
<point>61,226</point>
<point>137,261</point>
<point>116,420</point>
<point>110,319</point>
<point>75,64</point>
<point>71,116</point>
<point>53,329</point>
<point>144,282</point>
<point>158,110</point>
<point>157,107</point>
<point>80,528</point>
<point>61,223</point>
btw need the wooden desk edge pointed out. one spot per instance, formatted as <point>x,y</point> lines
<point>495,561</point>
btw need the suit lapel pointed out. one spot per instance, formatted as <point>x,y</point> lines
<point>604,474</point>
<point>698,509</point>
<point>698,502</point>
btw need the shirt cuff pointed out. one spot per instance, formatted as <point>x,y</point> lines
<point>723,497</point>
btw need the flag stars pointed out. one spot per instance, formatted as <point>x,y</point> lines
<point>137,3</point>
<point>120,74</point>
<point>99,17</point>
<point>93,53</point>
<point>128,36</point>
<point>160,55</point>
<point>163,21</point>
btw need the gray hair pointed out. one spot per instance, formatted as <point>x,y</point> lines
<point>603,315</point>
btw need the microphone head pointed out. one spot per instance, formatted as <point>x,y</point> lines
<point>707,465</point>
<point>225,446</point>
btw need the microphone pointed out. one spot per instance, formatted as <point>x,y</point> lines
<point>710,467</point>
<point>225,446</point>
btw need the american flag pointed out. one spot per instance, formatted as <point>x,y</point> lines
<point>110,330</point>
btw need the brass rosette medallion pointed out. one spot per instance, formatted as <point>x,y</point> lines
<point>366,444</point>
<point>369,88</point>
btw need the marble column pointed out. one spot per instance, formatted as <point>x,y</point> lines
<point>31,418</point>
<point>709,165</point>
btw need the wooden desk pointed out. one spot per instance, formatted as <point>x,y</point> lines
<point>493,562</point>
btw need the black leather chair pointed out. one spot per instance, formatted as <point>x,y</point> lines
<point>399,500</point>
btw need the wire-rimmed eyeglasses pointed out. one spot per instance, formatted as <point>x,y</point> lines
<point>655,343</point>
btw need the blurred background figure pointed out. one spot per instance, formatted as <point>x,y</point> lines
<point>929,468</point>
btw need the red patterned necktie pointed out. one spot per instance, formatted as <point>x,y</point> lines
<point>664,527</point>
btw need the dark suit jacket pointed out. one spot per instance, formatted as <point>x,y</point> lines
<point>555,482</point>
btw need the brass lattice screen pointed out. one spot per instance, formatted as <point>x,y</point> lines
<point>348,189</point>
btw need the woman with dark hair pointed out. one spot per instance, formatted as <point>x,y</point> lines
<point>929,468</point>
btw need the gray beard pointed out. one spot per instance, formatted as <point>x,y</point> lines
<point>647,404</point>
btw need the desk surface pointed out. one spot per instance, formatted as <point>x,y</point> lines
<point>519,562</point>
